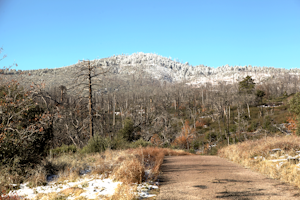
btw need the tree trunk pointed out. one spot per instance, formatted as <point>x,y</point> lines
<point>114,110</point>
<point>202,98</point>
<point>248,110</point>
<point>175,103</point>
<point>90,100</point>
<point>238,120</point>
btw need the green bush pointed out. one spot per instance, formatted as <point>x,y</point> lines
<point>213,151</point>
<point>118,142</point>
<point>128,131</point>
<point>254,125</point>
<point>212,136</point>
<point>96,144</point>
<point>192,151</point>
<point>268,125</point>
<point>195,144</point>
<point>139,143</point>
<point>259,95</point>
<point>166,145</point>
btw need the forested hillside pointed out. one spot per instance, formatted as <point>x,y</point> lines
<point>153,107</point>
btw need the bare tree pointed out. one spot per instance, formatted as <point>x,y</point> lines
<point>63,90</point>
<point>88,77</point>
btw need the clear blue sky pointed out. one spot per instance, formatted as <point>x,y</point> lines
<point>55,33</point>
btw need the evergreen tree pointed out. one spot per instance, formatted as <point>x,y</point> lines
<point>247,85</point>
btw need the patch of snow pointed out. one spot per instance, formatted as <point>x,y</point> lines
<point>278,160</point>
<point>93,187</point>
<point>144,188</point>
<point>259,157</point>
<point>279,165</point>
<point>283,156</point>
<point>274,150</point>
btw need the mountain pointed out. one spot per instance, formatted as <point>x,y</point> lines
<point>173,71</point>
<point>157,67</point>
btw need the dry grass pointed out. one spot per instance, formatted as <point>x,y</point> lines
<point>257,155</point>
<point>124,192</point>
<point>129,171</point>
<point>153,158</point>
<point>127,166</point>
<point>149,158</point>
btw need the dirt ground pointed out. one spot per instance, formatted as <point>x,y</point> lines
<point>211,177</point>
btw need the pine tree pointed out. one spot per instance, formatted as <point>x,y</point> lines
<point>247,85</point>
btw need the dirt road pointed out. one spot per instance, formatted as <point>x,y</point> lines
<point>211,177</point>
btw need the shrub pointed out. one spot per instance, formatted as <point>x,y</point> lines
<point>211,136</point>
<point>195,144</point>
<point>192,151</point>
<point>128,131</point>
<point>140,143</point>
<point>213,151</point>
<point>117,142</point>
<point>268,125</point>
<point>254,125</point>
<point>96,144</point>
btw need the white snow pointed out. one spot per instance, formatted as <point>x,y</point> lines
<point>163,68</point>
<point>278,160</point>
<point>93,187</point>
<point>144,188</point>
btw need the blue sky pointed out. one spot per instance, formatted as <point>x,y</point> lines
<point>55,33</point>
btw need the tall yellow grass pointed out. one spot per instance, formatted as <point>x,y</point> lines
<point>248,154</point>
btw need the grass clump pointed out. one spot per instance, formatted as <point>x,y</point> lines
<point>131,170</point>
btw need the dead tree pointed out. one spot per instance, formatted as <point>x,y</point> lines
<point>63,90</point>
<point>86,78</point>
